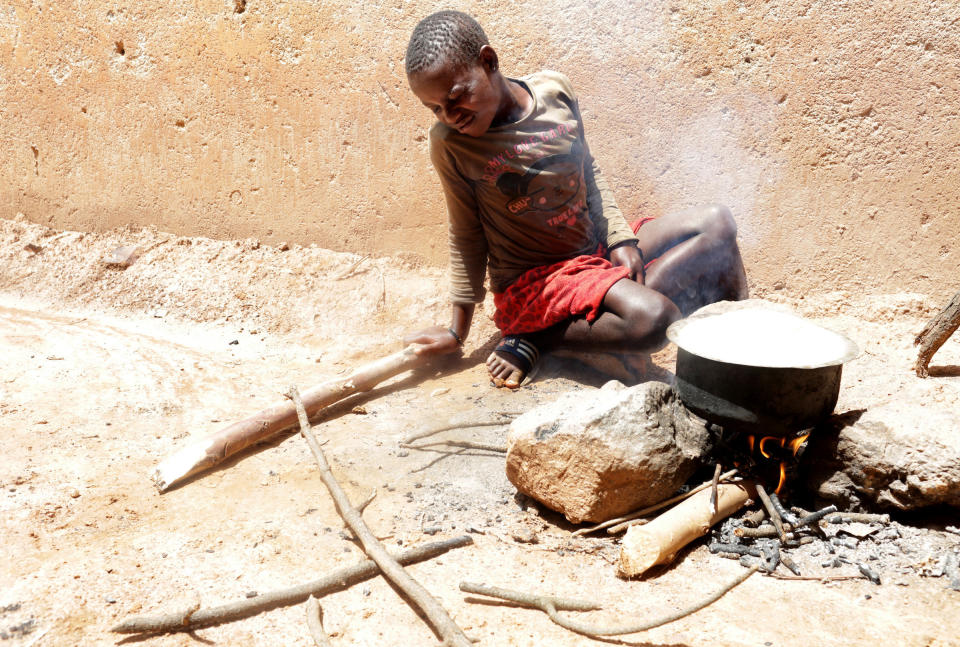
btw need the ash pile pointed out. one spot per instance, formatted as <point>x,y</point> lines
<point>828,545</point>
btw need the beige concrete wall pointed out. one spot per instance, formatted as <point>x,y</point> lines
<point>831,128</point>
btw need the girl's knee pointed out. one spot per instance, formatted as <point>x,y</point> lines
<point>719,222</point>
<point>651,317</point>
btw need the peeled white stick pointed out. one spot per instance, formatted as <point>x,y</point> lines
<point>217,447</point>
<point>659,541</point>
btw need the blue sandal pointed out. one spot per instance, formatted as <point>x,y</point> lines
<point>521,350</point>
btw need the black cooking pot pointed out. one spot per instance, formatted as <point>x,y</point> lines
<point>755,399</point>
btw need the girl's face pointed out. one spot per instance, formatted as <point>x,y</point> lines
<point>466,98</point>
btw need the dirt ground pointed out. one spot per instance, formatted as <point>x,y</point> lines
<point>106,371</point>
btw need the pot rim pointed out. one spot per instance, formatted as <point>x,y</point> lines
<point>674,333</point>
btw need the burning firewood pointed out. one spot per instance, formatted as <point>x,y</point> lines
<point>936,333</point>
<point>659,541</point>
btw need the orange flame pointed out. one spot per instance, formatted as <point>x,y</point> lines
<point>783,477</point>
<point>750,440</point>
<point>765,439</point>
<point>797,443</point>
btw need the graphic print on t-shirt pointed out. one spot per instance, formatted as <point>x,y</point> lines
<point>549,184</point>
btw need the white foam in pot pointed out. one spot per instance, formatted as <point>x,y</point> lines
<point>759,337</point>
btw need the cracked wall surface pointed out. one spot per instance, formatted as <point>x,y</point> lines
<point>830,128</point>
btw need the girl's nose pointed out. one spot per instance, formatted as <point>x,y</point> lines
<point>447,117</point>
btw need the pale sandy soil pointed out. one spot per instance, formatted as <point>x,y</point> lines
<point>105,372</point>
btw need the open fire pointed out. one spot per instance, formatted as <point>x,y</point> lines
<point>786,453</point>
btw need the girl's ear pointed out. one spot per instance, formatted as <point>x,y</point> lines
<point>488,59</point>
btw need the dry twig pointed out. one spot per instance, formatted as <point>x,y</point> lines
<point>549,606</point>
<point>315,623</point>
<point>772,511</point>
<point>713,487</point>
<point>338,580</point>
<point>765,530</point>
<point>444,625</point>
<point>467,425</point>
<point>858,517</point>
<point>350,269</point>
<point>754,518</point>
<point>465,444</point>
<point>814,578</point>
<point>367,501</point>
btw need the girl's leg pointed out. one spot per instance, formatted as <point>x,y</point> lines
<point>634,319</point>
<point>696,251</point>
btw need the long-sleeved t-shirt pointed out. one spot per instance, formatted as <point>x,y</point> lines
<point>524,194</point>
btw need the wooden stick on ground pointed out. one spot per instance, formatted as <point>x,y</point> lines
<point>214,449</point>
<point>338,580</point>
<point>620,523</point>
<point>442,623</point>
<point>936,333</point>
<point>659,541</point>
<point>315,623</point>
<point>550,607</point>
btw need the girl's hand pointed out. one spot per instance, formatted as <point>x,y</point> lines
<point>630,257</point>
<point>435,340</point>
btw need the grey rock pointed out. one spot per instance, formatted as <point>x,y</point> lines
<point>898,456</point>
<point>595,455</point>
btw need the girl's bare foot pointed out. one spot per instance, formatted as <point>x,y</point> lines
<point>511,361</point>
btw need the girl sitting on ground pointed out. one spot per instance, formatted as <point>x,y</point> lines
<point>526,202</point>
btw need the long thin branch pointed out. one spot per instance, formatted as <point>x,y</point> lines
<point>465,444</point>
<point>466,425</point>
<point>616,523</point>
<point>548,606</point>
<point>814,578</point>
<point>528,599</point>
<point>338,580</point>
<point>444,625</point>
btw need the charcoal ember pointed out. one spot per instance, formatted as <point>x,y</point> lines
<point>846,542</point>
<point>869,573</point>
<point>770,549</point>
<point>728,531</point>
<point>790,564</point>
<point>734,549</point>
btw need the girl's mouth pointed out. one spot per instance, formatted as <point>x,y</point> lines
<point>464,124</point>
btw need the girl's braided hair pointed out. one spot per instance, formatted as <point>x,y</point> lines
<point>444,37</point>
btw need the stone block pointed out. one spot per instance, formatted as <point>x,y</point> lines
<point>595,455</point>
<point>898,456</point>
